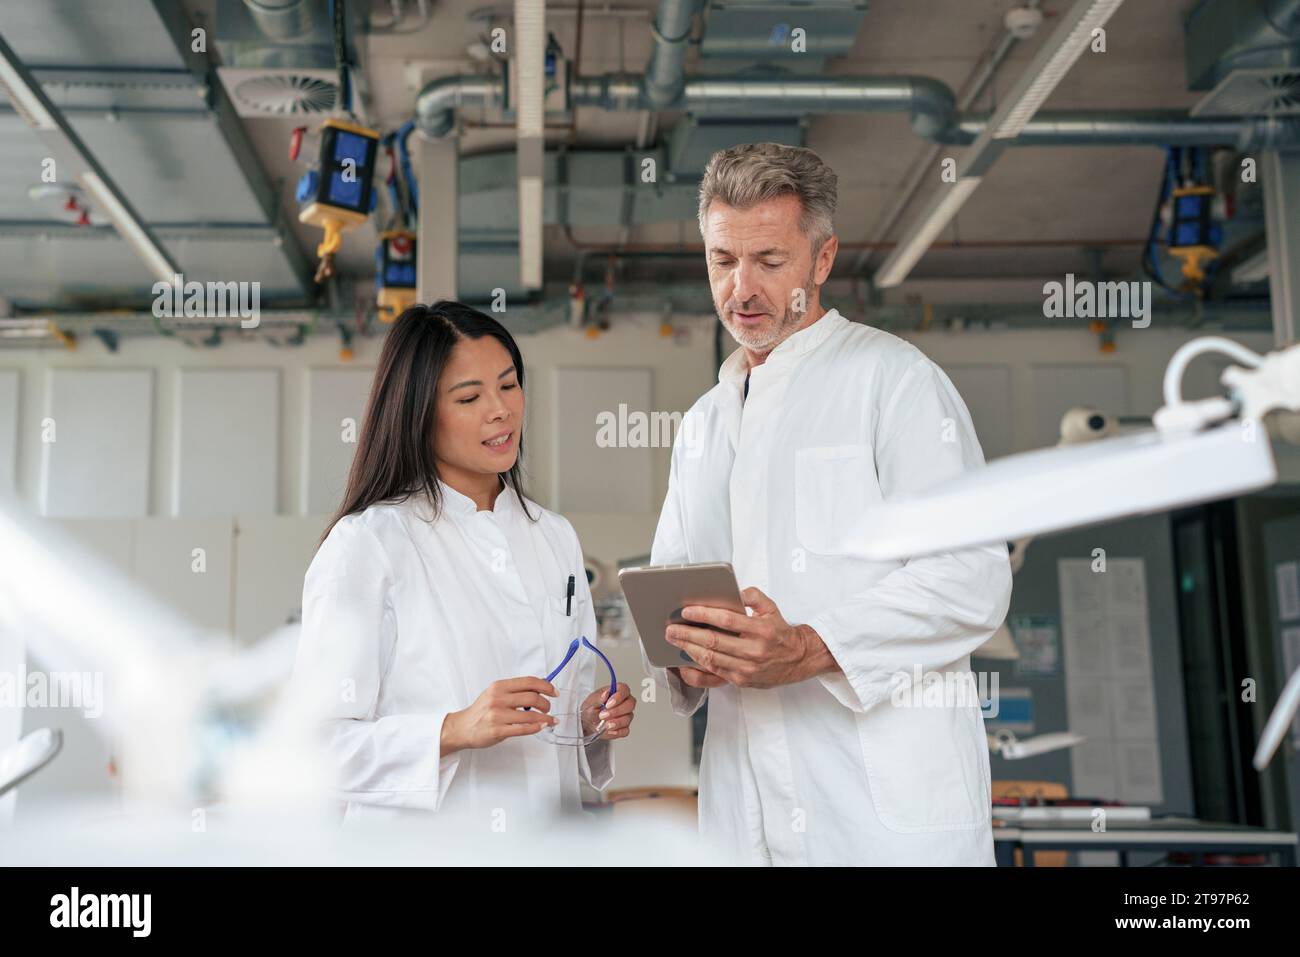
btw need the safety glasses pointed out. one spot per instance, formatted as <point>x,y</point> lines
<point>577,706</point>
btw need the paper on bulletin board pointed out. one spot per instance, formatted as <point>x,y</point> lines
<point>1037,640</point>
<point>1109,680</point>
<point>1291,661</point>
<point>1288,590</point>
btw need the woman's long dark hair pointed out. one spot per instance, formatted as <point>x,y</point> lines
<point>394,457</point>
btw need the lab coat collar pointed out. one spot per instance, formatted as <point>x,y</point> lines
<point>736,366</point>
<point>458,503</point>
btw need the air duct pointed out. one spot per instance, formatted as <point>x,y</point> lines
<point>282,19</point>
<point>671,34</point>
<point>928,102</point>
<point>1146,128</point>
<point>437,103</point>
<point>1247,55</point>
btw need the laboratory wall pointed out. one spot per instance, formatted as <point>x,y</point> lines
<point>240,451</point>
<point>1133,712</point>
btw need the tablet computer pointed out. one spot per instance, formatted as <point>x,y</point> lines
<point>657,594</point>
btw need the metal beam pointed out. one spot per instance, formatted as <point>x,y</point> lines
<point>1063,47</point>
<point>1281,172</point>
<point>226,121</point>
<point>70,153</point>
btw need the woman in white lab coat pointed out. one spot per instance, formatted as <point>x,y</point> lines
<point>440,597</point>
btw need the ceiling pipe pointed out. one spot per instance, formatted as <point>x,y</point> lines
<point>438,101</point>
<point>922,167</point>
<point>1149,128</point>
<point>928,102</point>
<point>281,19</point>
<point>671,34</point>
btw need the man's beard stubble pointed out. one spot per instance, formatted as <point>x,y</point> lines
<point>765,341</point>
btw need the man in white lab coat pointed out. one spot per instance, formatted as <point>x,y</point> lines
<point>843,727</point>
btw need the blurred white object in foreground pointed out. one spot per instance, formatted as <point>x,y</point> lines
<point>218,759</point>
<point>1199,451</point>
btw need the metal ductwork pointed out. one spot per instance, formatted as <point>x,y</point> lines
<point>436,106</point>
<point>1247,55</point>
<point>1144,128</point>
<point>671,34</point>
<point>282,19</point>
<point>929,103</point>
<point>277,58</point>
<point>1225,35</point>
<point>797,36</point>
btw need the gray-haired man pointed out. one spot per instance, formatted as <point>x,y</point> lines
<point>818,751</point>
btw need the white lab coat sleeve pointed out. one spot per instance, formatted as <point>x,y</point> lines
<point>595,760</point>
<point>349,637</point>
<point>670,548</point>
<point>930,612</point>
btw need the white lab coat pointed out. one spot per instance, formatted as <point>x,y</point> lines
<point>831,770</point>
<point>406,620</point>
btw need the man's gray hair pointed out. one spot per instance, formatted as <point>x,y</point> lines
<point>744,176</point>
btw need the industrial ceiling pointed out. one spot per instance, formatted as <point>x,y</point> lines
<point>215,182</point>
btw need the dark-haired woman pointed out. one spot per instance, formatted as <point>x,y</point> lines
<point>439,596</point>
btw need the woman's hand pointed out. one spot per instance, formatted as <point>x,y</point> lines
<point>498,714</point>
<point>616,712</point>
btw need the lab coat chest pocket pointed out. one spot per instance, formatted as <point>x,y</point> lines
<point>565,624</point>
<point>831,484</point>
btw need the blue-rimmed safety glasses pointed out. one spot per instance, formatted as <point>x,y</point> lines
<point>577,706</point>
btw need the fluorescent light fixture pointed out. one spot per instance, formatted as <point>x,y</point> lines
<point>906,254</point>
<point>530,120</point>
<point>530,231</point>
<point>25,329</point>
<point>1066,44</point>
<point>1053,61</point>
<point>26,100</point>
<point>530,66</point>
<point>130,228</point>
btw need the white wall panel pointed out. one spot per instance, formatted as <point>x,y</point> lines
<point>227,446</point>
<point>98,464</point>
<point>8,430</point>
<point>336,404</point>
